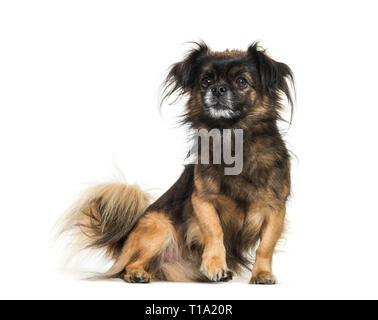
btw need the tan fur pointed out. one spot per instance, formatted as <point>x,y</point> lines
<point>269,236</point>
<point>194,233</point>
<point>227,53</point>
<point>120,203</point>
<point>180,272</point>
<point>254,221</point>
<point>151,236</point>
<point>214,264</point>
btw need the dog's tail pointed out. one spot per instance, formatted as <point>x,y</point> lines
<point>104,216</point>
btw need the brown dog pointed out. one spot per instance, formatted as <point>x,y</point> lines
<point>206,225</point>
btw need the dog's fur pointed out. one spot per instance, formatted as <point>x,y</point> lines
<point>207,224</point>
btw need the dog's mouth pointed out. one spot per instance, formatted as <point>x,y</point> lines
<point>221,107</point>
<point>221,111</point>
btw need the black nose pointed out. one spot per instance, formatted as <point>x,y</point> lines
<point>218,90</point>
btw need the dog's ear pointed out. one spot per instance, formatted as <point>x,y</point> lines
<point>275,77</point>
<point>181,76</point>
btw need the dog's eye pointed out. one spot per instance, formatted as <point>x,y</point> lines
<point>205,82</point>
<point>241,83</point>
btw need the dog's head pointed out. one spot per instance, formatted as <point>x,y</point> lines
<point>226,87</point>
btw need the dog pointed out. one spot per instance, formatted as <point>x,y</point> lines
<point>205,227</point>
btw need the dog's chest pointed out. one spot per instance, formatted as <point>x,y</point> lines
<point>239,188</point>
<point>242,187</point>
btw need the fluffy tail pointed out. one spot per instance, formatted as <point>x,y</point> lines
<point>104,216</point>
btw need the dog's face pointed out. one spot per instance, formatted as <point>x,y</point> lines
<point>226,87</point>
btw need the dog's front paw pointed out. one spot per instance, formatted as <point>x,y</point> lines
<point>215,269</point>
<point>263,277</point>
<point>228,277</point>
<point>136,276</point>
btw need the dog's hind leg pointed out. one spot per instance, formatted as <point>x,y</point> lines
<point>150,238</point>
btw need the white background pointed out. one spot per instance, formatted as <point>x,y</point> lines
<point>79,85</point>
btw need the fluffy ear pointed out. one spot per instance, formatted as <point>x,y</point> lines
<point>275,77</point>
<point>181,76</point>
